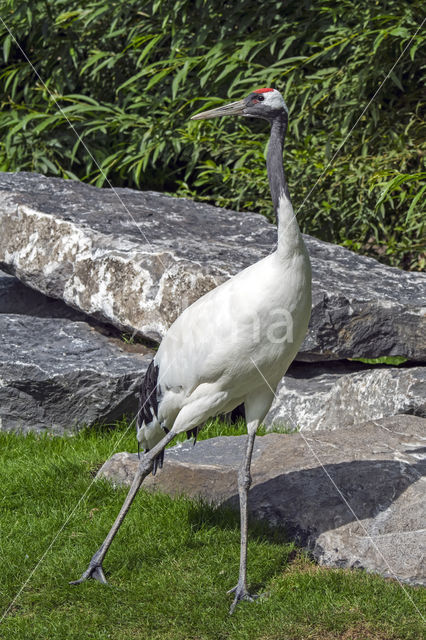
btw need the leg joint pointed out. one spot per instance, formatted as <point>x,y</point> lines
<point>244,479</point>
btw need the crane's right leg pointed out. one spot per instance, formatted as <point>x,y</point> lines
<point>146,464</point>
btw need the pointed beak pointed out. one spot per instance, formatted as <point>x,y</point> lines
<point>232,109</point>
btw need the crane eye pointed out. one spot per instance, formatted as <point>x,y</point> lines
<point>260,98</point>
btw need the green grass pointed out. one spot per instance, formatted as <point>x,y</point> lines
<point>389,360</point>
<point>219,428</point>
<point>169,567</point>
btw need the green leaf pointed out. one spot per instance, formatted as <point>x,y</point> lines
<point>414,202</point>
<point>396,80</point>
<point>6,47</point>
<point>157,78</point>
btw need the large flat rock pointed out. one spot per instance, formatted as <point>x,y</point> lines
<point>333,395</point>
<point>136,259</point>
<point>58,374</point>
<point>353,497</point>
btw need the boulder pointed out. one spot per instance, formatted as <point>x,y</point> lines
<point>311,396</point>
<point>353,497</point>
<point>58,374</point>
<point>337,394</point>
<point>136,259</point>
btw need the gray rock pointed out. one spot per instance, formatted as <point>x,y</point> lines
<point>353,497</point>
<point>136,259</point>
<point>15,297</point>
<point>311,396</point>
<point>335,395</point>
<point>57,374</point>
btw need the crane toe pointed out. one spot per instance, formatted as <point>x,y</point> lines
<point>94,571</point>
<point>241,593</point>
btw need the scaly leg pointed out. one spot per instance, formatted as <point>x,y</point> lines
<point>244,482</point>
<point>146,464</point>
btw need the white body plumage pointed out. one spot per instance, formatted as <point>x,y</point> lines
<point>235,343</point>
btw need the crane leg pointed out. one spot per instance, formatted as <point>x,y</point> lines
<point>244,481</point>
<point>95,569</point>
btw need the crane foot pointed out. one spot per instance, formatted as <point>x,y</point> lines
<point>241,593</point>
<point>94,571</point>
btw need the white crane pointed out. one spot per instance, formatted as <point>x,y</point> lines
<point>233,345</point>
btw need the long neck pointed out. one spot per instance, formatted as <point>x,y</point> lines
<point>288,229</point>
<point>274,161</point>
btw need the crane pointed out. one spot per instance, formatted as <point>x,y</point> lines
<point>233,345</point>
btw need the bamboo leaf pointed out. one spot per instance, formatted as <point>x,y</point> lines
<point>6,47</point>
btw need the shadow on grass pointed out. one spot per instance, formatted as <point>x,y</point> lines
<point>201,514</point>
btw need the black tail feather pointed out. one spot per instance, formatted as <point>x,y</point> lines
<point>237,414</point>
<point>158,462</point>
<point>193,433</point>
<point>148,398</point>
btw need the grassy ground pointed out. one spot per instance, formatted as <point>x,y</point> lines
<point>169,567</point>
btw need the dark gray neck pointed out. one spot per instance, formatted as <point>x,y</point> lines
<point>274,160</point>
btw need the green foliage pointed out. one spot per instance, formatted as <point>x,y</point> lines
<point>217,427</point>
<point>393,361</point>
<point>127,76</point>
<point>169,566</point>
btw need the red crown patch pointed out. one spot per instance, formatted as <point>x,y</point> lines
<point>262,90</point>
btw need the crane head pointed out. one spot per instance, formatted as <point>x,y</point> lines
<point>261,103</point>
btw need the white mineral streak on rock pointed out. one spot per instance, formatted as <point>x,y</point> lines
<point>50,267</point>
<point>30,252</point>
<point>72,288</point>
<point>102,299</point>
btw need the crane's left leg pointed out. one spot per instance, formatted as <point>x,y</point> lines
<point>190,416</point>
<point>244,482</point>
<point>146,464</point>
